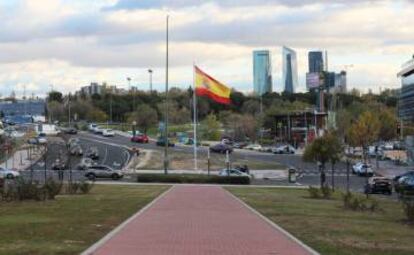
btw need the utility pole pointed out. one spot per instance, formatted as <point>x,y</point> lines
<point>166,105</point>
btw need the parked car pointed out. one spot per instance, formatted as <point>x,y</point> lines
<point>41,139</point>
<point>227,141</point>
<point>9,174</point>
<point>379,185</point>
<point>239,145</point>
<point>85,163</point>
<point>284,149</point>
<point>161,142</point>
<point>399,178</point>
<point>363,169</point>
<point>73,141</point>
<point>70,131</point>
<point>92,153</point>
<point>98,130</point>
<point>141,138</point>
<point>92,127</point>
<point>254,147</point>
<point>76,150</point>
<point>232,172</point>
<point>108,132</point>
<point>58,165</point>
<point>102,171</point>
<point>406,185</point>
<point>266,149</point>
<point>221,148</point>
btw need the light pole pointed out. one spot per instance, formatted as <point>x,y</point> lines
<point>166,105</point>
<point>150,79</point>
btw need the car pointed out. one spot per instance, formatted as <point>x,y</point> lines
<point>41,139</point>
<point>284,149</point>
<point>161,142</point>
<point>221,148</point>
<point>356,166</point>
<point>363,170</point>
<point>92,153</point>
<point>190,141</point>
<point>92,127</point>
<point>102,171</point>
<point>406,186</point>
<point>98,130</point>
<point>85,163</point>
<point>76,150</point>
<point>108,132</point>
<point>32,141</point>
<point>73,141</point>
<point>232,172</point>
<point>141,138</point>
<point>71,131</point>
<point>253,146</point>
<point>9,174</point>
<point>58,165</point>
<point>227,141</point>
<point>239,145</point>
<point>399,178</point>
<point>381,185</point>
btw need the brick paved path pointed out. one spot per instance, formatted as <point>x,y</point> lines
<point>199,220</point>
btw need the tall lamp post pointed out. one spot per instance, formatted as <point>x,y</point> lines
<point>166,105</point>
<point>150,79</point>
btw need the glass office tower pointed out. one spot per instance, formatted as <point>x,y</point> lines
<point>262,72</point>
<point>406,102</point>
<point>315,61</point>
<point>290,70</point>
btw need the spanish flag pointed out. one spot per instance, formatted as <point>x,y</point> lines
<point>206,85</point>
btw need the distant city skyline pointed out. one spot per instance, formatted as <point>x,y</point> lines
<point>72,43</point>
<point>290,70</point>
<point>262,72</point>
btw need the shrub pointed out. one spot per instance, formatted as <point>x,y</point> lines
<point>193,178</point>
<point>72,187</point>
<point>85,187</point>
<point>359,203</point>
<point>326,192</point>
<point>314,192</point>
<point>408,206</point>
<point>27,190</point>
<point>52,188</point>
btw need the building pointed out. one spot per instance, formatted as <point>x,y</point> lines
<point>406,100</point>
<point>100,89</point>
<point>262,72</point>
<point>315,62</point>
<point>290,70</point>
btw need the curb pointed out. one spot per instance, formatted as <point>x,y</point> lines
<point>92,249</point>
<point>274,225</point>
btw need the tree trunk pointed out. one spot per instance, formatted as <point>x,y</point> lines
<point>333,176</point>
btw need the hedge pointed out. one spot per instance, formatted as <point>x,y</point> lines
<point>193,178</point>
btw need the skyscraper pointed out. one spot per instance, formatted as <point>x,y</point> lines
<point>262,72</point>
<point>315,61</point>
<point>290,70</point>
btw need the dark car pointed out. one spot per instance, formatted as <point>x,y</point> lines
<point>58,165</point>
<point>161,142</point>
<point>71,131</point>
<point>239,145</point>
<point>76,150</point>
<point>92,153</point>
<point>397,179</point>
<point>379,185</point>
<point>221,148</point>
<point>141,138</point>
<point>102,171</point>
<point>405,185</point>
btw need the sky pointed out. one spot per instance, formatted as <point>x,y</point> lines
<point>66,44</point>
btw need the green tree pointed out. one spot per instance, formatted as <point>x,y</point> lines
<point>55,96</point>
<point>145,117</point>
<point>388,121</point>
<point>210,128</point>
<point>322,150</point>
<point>97,115</point>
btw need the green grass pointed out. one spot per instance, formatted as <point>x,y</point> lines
<point>72,223</point>
<point>328,228</point>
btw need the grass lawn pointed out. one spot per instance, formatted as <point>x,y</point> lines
<point>326,227</point>
<point>71,223</point>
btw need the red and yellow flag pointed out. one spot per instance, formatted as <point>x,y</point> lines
<point>207,86</point>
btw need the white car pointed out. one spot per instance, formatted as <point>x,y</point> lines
<point>9,174</point>
<point>41,139</point>
<point>108,132</point>
<point>284,149</point>
<point>232,172</point>
<point>363,169</point>
<point>92,127</point>
<point>98,130</point>
<point>254,147</point>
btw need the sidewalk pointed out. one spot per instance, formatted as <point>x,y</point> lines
<point>20,161</point>
<point>198,220</point>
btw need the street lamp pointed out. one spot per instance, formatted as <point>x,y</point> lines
<point>150,79</point>
<point>134,124</point>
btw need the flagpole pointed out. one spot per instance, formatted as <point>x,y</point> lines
<point>166,106</point>
<point>195,120</point>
